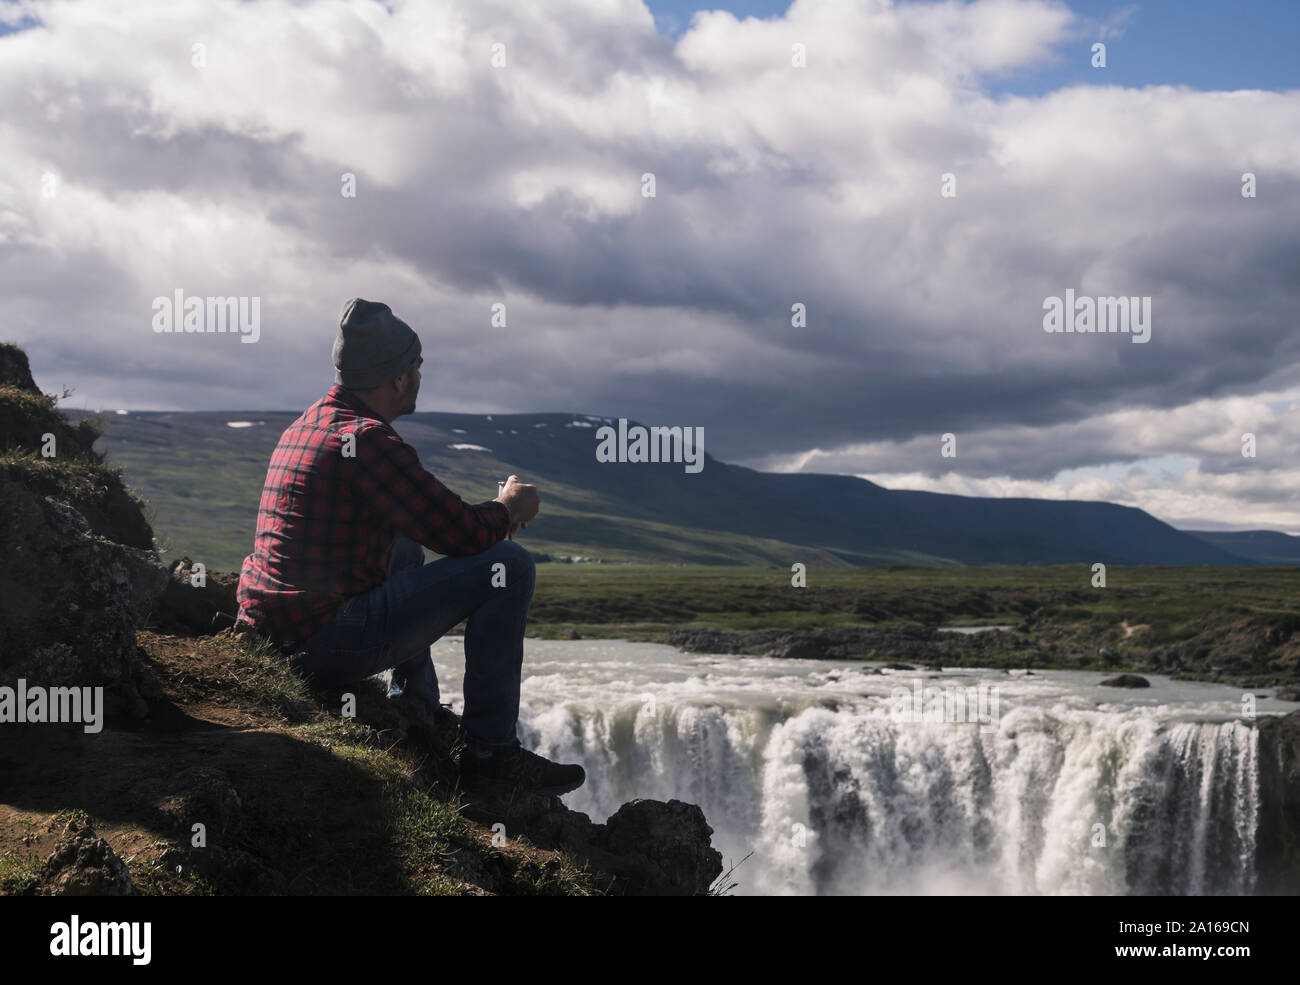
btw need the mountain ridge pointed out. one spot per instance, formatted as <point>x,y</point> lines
<point>204,479</point>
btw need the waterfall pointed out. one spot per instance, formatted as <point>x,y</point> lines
<point>800,766</point>
<point>1055,801</point>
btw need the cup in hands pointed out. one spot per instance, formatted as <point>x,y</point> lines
<point>521,499</point>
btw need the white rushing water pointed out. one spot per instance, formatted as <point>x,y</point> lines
<point>1066,787</point>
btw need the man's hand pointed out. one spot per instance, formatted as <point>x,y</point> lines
<point>523,502</point>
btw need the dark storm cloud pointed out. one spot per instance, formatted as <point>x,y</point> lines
<point>775,185</point>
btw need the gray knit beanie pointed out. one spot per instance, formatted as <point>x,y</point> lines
<point>373,345</point>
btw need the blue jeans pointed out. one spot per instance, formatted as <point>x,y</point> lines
<point>392,626</point>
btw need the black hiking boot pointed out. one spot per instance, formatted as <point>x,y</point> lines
<point>513,768</point>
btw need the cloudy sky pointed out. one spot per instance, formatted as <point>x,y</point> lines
<point>499,151</point>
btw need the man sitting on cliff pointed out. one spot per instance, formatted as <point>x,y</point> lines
<point>337,577</point>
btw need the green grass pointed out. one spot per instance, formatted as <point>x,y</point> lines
<point>743,598</point>
<point>66,478</point>
<point>376,793</point>
<point>62,817</point>
<point>428,832</point>
<point>261,672</point>
<point>19,874</point>
<point>153,879</point>
<point>594,599</point>
<point>562,875</point>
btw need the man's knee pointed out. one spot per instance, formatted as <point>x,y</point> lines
<point>519,563</point>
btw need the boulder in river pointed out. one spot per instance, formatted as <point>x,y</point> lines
<point>1126,680</point>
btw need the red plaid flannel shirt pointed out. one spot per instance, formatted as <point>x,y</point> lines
<point>327,521</point>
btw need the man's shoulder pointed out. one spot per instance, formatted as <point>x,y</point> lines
<point>334,416</point>
<point>333,432</point>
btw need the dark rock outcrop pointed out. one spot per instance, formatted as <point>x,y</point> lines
<point>918,643</point>
<point>201,794</point>
<point>74,473</point>
<point>669,842</point>
<point>798,650</point>
<point>83,864</point>
<point>184,607</point>
<point>1125,680</point>
<point>15,370</point>
<point>646,848</point>
<point>1277,841</point>
<point>70,599</point>
<point>78,569</point>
